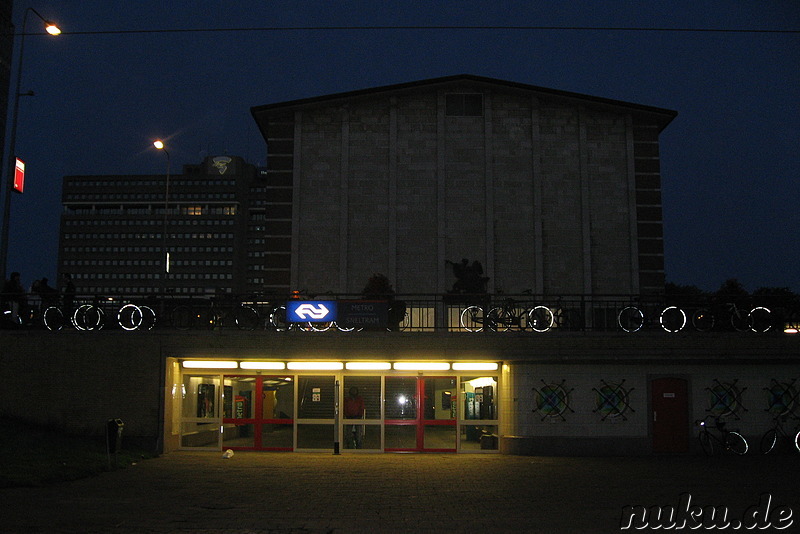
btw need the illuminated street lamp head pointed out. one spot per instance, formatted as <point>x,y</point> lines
<point>159,144</point>
<point>49,26</point>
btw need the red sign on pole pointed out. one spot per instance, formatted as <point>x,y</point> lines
<point>19,175</point>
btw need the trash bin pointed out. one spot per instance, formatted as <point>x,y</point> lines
<point>114,434</point>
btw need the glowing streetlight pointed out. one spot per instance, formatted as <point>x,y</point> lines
<point>10,163</point>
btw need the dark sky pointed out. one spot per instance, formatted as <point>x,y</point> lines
<point>730,163</point>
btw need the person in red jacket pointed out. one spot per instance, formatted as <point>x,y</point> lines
<point>354,409</point>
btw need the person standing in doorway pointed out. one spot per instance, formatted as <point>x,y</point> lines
<point>354,409</point>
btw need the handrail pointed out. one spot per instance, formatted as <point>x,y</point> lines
<point>408,312</point>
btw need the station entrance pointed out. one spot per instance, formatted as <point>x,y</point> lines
<point>350,412</point>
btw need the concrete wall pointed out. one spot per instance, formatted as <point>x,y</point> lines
<point>78,382</point>
<point>584,428</point>
<point>540,192</point>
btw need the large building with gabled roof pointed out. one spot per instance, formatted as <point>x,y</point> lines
<point>550,191</point>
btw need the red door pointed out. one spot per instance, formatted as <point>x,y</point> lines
<point>670,414</point>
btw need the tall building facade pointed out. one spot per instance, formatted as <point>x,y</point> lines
<point>553,192</point>
<point>200,232</point>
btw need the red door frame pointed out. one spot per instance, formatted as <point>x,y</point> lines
<point>669,414</point>
<point>419,421</point>
<point>258,406</point>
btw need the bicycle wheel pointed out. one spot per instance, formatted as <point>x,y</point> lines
<point>245,317</point>
<point>736,443</point>
<point>148,318</point>
<point>797,441</point>
<point>130,317</point>
<point>88,317</point>
<point>760,319</point>
<point>541,319</point>
<point>706,443</point>
<point>703,320</point>
<point>672,319</point>
<point>499,320</point>
<point>472,319</point>
<point>321,327</point>
<point>768,441</point>
<point>278,319</point>
<point>630,319</point>
<point>78,315</point>
<point>53,318</point>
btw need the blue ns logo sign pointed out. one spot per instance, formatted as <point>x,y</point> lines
<point>310,311</point>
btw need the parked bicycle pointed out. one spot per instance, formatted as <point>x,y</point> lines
<point>88,317</point>
<point>507,316</point>
<point>718,437</point>
<point>632,319</point>
<point>758,319</point>
<point>769,440</point>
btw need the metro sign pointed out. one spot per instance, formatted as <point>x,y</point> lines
<point>19,175</point>
<point>310,311</point>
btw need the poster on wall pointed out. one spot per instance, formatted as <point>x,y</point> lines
<point>205,400</point>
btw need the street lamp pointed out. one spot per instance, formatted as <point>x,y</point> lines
<point>8,168</point>
<point>159,144</point>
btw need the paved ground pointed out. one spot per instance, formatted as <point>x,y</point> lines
<point>323,493</point>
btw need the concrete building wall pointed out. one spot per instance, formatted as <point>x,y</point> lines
<point>540,192</point>
<point>585,427</point>
<point>78,383</point>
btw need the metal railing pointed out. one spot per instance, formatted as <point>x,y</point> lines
<point>468,313</point>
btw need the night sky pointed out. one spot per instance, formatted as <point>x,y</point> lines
<point>730,163</point>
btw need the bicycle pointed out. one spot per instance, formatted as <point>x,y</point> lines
<point>505,317</point>
<point>770,438</point>
<point>632,319</point>
<point>728,440</point>
<point>758,319</point>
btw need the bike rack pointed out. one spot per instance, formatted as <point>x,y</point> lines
<point>615,398</point>
<point>777,398</point>
<point>728,397</point>
<point>554,400</point>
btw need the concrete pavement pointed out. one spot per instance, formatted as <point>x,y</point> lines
<point>200,492</point>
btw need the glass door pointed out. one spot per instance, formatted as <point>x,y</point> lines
<point>420,414</point>
<point>258,412</point>
<point>316,406</point>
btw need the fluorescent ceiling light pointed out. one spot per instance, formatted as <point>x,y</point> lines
<point>422,366</point>
<point>209,364</point>
<point>262,365</point>
<point>475,366</point>
<point>315,366</point>
<point>361,366</point>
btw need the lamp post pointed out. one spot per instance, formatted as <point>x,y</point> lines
<point>8,168</point>
<point>159,144</point>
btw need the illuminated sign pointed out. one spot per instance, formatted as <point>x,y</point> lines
<point>310,311</point>
<point>19,176</point>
